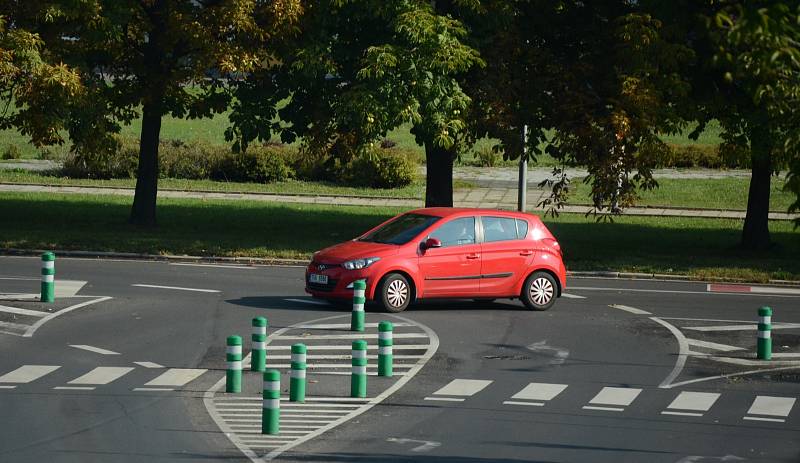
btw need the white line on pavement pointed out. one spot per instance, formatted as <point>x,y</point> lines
<point>152,389</point>
<point>772,406</point>
<point>149,365</point>
<point>775,326</point>
<point>669,291</point>
<point>30,313</point>
<point>352,336</point>
<point>307,301</point>
<point>619,396</point>
<point>74,388</point>
<point>96,350</point>
<point>683,352</point>
<point>730,375</point>
<point>238,267</point>
<point>445,399</point>
<point>694,401</point>
<point>345,326</point>
<point>712,345</point>
<point>632,310</point>
<point>539,391</point>
<point>32,329</point>
<point>667,412</point>
<point>347,347</point>
<point>176,377</point>
<point>463,387</point>
<point>572,296</point>
<point>606,409</point>
<point>533,404</point>
<point>102,375</point>
<point>28,373</point>
<point>178,288</point>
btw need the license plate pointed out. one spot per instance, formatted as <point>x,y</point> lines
<point>319,279</point>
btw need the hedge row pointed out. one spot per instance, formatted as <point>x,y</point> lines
<point>378,168</point>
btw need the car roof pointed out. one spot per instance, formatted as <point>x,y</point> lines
<point>453,211</point>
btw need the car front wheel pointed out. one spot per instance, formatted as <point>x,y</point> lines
<point>395,293</point>
<point>539,291</point>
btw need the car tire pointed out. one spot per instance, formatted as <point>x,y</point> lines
<point>395,293</point>
<point>539,291</point>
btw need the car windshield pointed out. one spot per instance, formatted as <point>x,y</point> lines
<point>400,230</point>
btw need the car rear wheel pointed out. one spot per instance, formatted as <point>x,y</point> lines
<point>539,291</point>
<point>395,293</point>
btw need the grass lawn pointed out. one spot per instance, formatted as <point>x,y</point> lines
<point>698,247</point>
<point>711,193</point>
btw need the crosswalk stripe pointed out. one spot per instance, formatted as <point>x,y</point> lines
<point>349,336</point>
<point>96,350</point>
<point>539,392</point>
<point>771,406</point>
<point>463,387</point>
<point>28,373</point>
<point>74,388</point>
<point>176,377</point>
<point>102,375</point>
<point>613,396</point>
<point>692,401</point>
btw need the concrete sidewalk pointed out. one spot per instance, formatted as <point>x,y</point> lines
<point>494,198</point>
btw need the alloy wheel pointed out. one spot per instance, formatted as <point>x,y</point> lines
<point>397,293</point>
<point>541,291</point>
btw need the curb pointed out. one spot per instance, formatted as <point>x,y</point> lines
<point>277,262</point>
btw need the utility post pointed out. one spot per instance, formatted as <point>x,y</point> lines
<point>522,187</point>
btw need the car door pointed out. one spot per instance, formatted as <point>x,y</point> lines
<point>505,254</point>
<point>452,270</point>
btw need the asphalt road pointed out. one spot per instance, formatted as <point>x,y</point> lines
<point>639,371</point>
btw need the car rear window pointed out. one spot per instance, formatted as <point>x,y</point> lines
<point>499,229</point>
<point>400,230</point>
<point>522,228</point>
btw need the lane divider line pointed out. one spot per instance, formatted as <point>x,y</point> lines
<point>632,310</point>
<point>96,350</point>
<point>178,288</point>
<point>32,329</point>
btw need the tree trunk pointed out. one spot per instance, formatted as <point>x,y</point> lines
<point>439,178</point>
<point>755,235</point>
<point>143,212</point>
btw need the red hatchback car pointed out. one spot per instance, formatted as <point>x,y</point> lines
<point>445,253</point>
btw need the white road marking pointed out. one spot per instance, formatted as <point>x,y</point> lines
<point>224,400</point>
<point>74,388</point>
<point>790,355</point>
<point>96,350</point>
<point>700,458</point>
<point>605,409</point>
<point>730,375</point>
<point>427,445</point>
<point>344,357</point>
<point>8,387</point>
<point>320,366</point>
<point>669,291</point>
<point>32,329</point>
<point>683,352</point>
<point>772,406</point>
<point>178,288</point>
<point>668,412</point>
<point>445,399</point>
<point>572,296</point>
<point>756,418</point>
<point>753,327</point>
<point>463,387</point>
<point>619,396</point>
<point>346,347</point>
<point>28,373</point>
<point>694,401</point>
<point>68,288</point>
<point>30,313</point>
<point>532,404</point>
<point>712,345</point>
<point>307,301</point>
<point>773,290</point>
<point>559,353</point>
<point>632,310</point>
<point>13,328</point>
<point>149,365</point>
<point>346,326</point>
<point>539,392</point>
<point>102,375</point>
<point>222,266</point>
<point>152,389</point>
<point>350,336</point>
<point>176,377</point>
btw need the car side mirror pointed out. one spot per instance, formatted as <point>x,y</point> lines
<point>431,243</point>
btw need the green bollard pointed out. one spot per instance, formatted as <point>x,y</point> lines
<point>271,403</point>
<point>48,277</point>
<point>258,355</point>
<point>297,382</point>
<point>233,355</point>
<point>358,379</point>
<point>385,348</point>
<point>357,319</point>
<point>764,343</point>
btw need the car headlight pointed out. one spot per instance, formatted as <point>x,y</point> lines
<point>357,264</point>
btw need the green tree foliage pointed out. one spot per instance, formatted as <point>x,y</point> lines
<point>358,69</point>
<point>159,57</point>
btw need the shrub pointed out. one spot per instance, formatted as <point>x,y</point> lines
<point>261,164</point>
<point>12,152</point>
<point>487,157</point>
<point>380,168</point>
<point>193,161</point>
<point>119,163</point>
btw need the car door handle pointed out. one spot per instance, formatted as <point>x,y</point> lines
<point>473,256</point>
<point>525,253</point>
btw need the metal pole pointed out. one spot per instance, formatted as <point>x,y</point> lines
<point>522,188</point>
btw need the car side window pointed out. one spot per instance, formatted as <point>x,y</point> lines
<point>456,232</point>
<point>522,229</point>
<point>498,229</point>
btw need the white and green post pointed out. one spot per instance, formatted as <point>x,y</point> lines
<point>271,403</point>
<point>358,380</point>
<point>233,356</point>
<point>48,277</point>
<point>764,344</point>
<point>258,355</point>
<point>297,382</point>
<point>357,320</point>
<point>385,348</point>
